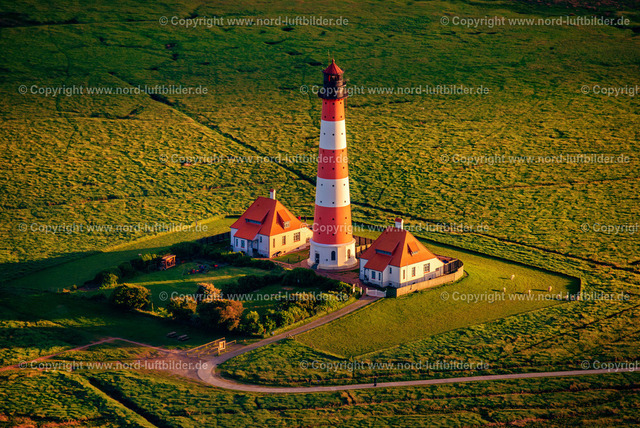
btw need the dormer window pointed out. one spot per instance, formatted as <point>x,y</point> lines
<point>252,221</point>
<point>386,253</point>
<point>285,224</point>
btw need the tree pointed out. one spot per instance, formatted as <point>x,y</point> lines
<point>129,296</point>
<point>182,308</point>
<point>270,323</point>
<point>221,314</point>
<point>207,292</point>
<point>251,323</point>
<point>285,318</point>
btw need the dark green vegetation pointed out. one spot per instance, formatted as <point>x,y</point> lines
<point>145,399</point>
<point>116,160</point>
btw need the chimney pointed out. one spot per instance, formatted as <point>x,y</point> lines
<point>399,223</point>
<point>272,194</point>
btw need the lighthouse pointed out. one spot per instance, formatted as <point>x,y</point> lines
<point>332,246</point>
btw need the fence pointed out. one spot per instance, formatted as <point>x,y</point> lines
<point>362,244</point>
<point>375,293</point>
<point>439,280</point>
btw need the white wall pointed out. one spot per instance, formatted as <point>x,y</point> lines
<point>395,275</point>
<point>266,247</point>
<point>332,193</point>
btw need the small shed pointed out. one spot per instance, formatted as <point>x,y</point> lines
<point>167,262</point>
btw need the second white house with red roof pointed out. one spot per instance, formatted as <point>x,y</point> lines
<point>397,259</point>
<point>267,228</point>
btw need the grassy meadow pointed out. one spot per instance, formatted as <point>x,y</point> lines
<point>115,159</point>
<point>475,299</point>
<point>127,163</point>
<point>126,398</point>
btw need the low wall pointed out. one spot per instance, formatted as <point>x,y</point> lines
<point>397,292</point>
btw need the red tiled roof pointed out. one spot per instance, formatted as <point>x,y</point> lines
<point>378,262</point>
<point>248,231</point>
<point>404,248</point>
<point>333,68</point>
<point>267,218</point>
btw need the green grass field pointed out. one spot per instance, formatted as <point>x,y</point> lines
<point>115,161</point>
<point>473,300</point>
<point>108,148</point>
<point>146,399</point>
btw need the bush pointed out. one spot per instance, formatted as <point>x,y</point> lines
<point>130,296</point>
<point>187,250</point>
<point>265,265</point>
<point>221,315</point>
<point>251,324</point>
<point>207,291</point>
<point>300,277</point>
<point>269,321</point>
<point>127,270</point>
<point>249,283</point>
<point>107,278</point>
<point>144,262</point>
<point>285,318</point>
<point>181,308</point>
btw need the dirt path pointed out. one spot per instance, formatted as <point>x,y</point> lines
<point>208,374</point>
<point>216,380</point>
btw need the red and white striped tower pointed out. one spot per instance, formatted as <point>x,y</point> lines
<point>332,245</point>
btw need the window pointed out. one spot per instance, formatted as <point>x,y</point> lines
<point>274,242</point>
<point>404,273</point>
<point>236,242</point>
<point>427,268</point>
<point>284,239</point>
<point>413,271</point>
<point>286,224</point>
<point>296,237</point>
<point>333,256</point>
<point>242,243</point>
<point>390,270</point>
<point>261,239</point>
<point>373,274</point>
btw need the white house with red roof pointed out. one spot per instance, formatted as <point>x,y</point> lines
<point>397,259</point>
<point>267,228</point>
